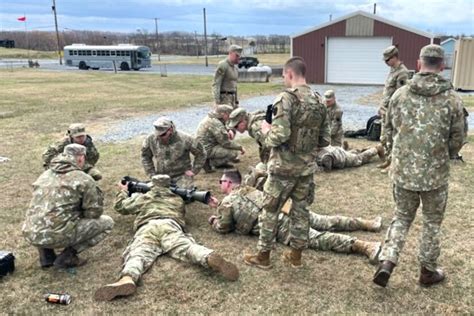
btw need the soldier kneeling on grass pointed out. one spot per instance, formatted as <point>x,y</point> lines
<point>160,229</point>
<point>66,211</point>
<point>76,134</point>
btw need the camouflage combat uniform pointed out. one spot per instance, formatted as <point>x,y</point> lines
<point>92,155</point>
<point>345,159</point>
<point>159,229</point>
<point>224,87</point>
<point>66,209</point>
<point>299,126</point>
<point>239,212</point>
<point>173,158</point>
<point>397,78</point>
<point>212,134</point>
<point>335,119</point>
<point>424,127</point>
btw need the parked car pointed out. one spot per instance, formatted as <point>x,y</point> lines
<point>248,62</point>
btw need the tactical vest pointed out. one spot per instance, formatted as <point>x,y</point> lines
<point>306,120</point>
<point>248,207</point>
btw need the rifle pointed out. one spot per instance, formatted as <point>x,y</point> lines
<point>269,114</point>
<point>188,195</point>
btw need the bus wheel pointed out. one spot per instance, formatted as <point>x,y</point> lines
<point>83,66</point>
<point>124,66</point>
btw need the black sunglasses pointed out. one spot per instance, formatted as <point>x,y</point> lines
<point>222,181</point>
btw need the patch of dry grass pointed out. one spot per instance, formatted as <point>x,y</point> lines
<point>468,102</point>
<point>328,283</point>
<point>24,53</point>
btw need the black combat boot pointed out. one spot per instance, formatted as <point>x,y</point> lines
<point>429,278</point>
<point>383,273</point>
<point>69,259</point>
<point>47,257</point>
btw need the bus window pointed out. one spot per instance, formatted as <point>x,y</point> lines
<point>112,53</point>
<point>89,53</point>
<point>107,53</point>
<point>127,53</point>
<point>75,53</point>
<point>71,52</point>
<point>94,53</point>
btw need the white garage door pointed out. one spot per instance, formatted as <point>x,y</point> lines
<point>356,60</point>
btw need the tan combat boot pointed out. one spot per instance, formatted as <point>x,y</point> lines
<point>367,248</point>
<point>260,260</point>
<point>384,164</point>
<point>123,287</point>
<point>374,225</point>
<point>380,152</point>
<point>345,145</point>
<point>225,268</point>
<point>293,257</point>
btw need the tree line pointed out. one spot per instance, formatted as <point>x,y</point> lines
<point>179,43</point>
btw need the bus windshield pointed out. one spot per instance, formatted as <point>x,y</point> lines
<point>143,53</point>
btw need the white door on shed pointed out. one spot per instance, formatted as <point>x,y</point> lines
<point>356,60</point>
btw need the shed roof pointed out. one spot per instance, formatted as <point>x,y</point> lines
<point>368,15</point>
<point>448,40</point>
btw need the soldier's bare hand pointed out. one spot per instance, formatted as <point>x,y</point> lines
<point>242,151</point>
<point>230,134</point>
<point>266,127</point>
<point>123,187</point>
<point>211,219</point>
<point>213,202</point>
<point>189,173</point>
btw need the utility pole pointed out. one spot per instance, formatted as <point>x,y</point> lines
<point>205,36</point>
<point>57,32</point>
<point>157,38</point>
<point>375,8</point>
<point>197,44</point>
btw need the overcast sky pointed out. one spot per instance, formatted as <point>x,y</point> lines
<point>231,17</point>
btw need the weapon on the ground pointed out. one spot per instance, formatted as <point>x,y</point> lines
<point>269,114</point>
<point>188,195</point>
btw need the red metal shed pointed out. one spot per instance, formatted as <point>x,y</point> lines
<point>349,49</point>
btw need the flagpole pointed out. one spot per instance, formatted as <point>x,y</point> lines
<point>27,40</point>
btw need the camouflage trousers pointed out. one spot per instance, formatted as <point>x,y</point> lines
<point>156,238</point>
<point>383,140</point>
<point>336,139</point>
<point>407,203</point>
<point>277,190</point>
<point>183,181</point>
<point>357,158</point>
<point>230,99</point>
<point>87,233</point>
<point>318,238</point>
<point>219,155</point>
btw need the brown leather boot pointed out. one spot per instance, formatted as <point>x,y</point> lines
<point>47,257</point>
<point>367,248</point>
<point>293,257</point>
<point>69,259</point>
<point>429,278</point>
<point>374,225</point>
<point>383,273</point>
<point>123,287</point>
<point>225,268</point>
<point>260,260</point>
<point>345,145</point>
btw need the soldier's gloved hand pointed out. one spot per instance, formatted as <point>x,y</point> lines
<point>211,219</point>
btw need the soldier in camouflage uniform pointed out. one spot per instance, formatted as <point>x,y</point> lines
<point>66,211</point>
<point>299,126</point>
<point>397,78</point>
<point>224,87</point>
<point>76,134</point>
<point>171,151</point>
<point>424,127</point>
<point>160,229</point>
<point>240,209</point>
<point>217,140</point>
<point>331,157</point>
<point>335,118</point>
<point>243,121</point>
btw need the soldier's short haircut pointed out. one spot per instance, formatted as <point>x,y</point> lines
<point>233,175</point>
<point>432,62</point>
<point>297,64</point>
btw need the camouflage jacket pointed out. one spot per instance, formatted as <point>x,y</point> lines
<point>158,203</point>
<point>299,126</point>
<point>212,132</point>
<point>397,78</point>
<point>173,158</point>
<point>61,196</point>
<point>338,155</point>
<point>254,126</point>
<point>335,119</point>
<point>425,125</point>
<point>239,211</point>
<point>225,79</point>
<point>92,155</point>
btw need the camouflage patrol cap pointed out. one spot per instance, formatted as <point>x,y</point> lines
<point>76,130</point>
<point>329,94</point>
<point>432,50</point>
<point>223,109</point>
<point>162,124</point>
<point>389,52</point>
<point>236,116</point>
<point>235,49</point>
<point>74,150</point>
<point>161,180</point>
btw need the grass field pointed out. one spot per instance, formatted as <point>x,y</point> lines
<point>24,53</point>
<point>266,59</point>
<point>469,102</point>
<point>38,106</point>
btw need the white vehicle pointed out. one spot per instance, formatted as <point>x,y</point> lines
<point>125,56</point>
